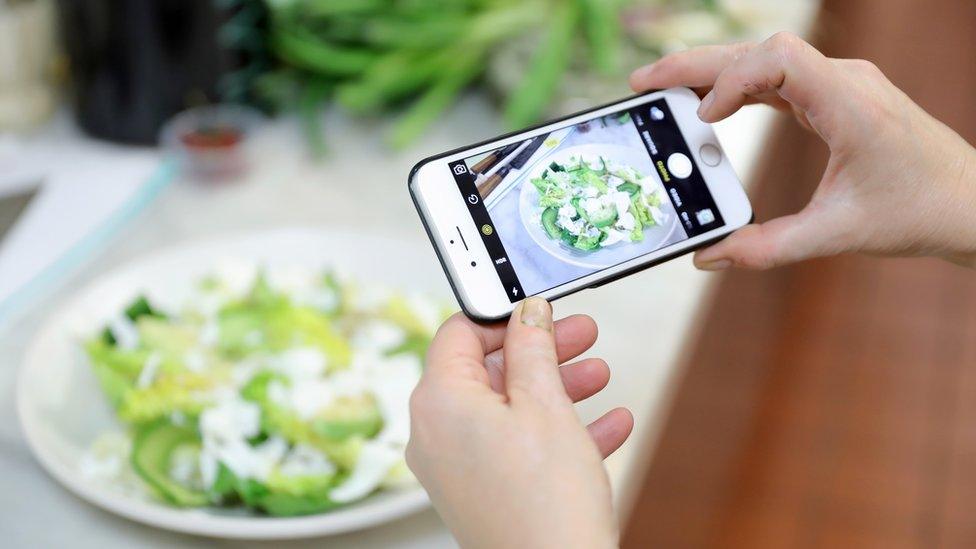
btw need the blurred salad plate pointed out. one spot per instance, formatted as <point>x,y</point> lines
<point>249,387</point>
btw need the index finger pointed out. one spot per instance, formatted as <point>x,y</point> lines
<point>694,68</point>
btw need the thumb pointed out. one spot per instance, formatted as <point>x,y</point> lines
<point>531,363</point>
<point>780,241</point>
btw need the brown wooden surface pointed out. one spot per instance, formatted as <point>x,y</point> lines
<point>833,403</point>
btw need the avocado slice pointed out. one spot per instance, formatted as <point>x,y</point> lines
<point>349,416</point>
<point>604,217</point>
<point>549,216</point>
<point>152,455</point>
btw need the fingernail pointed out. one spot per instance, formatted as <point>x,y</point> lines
<point>537,312</point>
<point>706,104</point>
<point>715,265</point>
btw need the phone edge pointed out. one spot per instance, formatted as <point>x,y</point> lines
<point>444,268</point>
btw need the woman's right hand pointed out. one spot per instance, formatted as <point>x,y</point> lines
<point>899,182</point>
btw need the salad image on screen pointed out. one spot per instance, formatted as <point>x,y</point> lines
<point>574,201</point>
<point>591,203</point>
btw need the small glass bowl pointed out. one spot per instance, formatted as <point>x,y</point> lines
<point>211,143</point>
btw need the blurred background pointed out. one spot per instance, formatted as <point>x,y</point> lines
<point>830,404</point>
<point>820,405</point>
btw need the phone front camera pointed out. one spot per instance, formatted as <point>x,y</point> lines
<point>474,263</point>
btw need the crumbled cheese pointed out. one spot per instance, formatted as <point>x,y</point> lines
<point>195,361</point>
<point>392,382</point>
<point>306,397</point>
<point>225,429</point>
<point>321,298</point>
<point>626,222</point>
<point>299,363</point>
<point>290,279</point>
<point>124,331</point>
<point>304,460</point>
<point>209,334</point>
<point>149,370</point>
<point>621,202</point>
<point>378,335</point>
<point>426,310</point>
<point>375,461</point>
<point>235,275</point>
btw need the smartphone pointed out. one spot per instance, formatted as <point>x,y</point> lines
<point>578,202</point>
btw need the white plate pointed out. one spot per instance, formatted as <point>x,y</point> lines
<point>62,409</point>
<point>601,258</point>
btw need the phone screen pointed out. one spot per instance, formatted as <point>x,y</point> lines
<point>562,205</point>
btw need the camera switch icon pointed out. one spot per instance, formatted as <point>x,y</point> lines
<point>460,169</point>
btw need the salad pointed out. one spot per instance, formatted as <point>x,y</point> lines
<point>286,394</point>
<point>592,203</point>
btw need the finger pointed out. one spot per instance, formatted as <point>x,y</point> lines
<point>611,430</point>
<point>574,336</point>
<point>531,364</point>
<point>783,66</point>
<point>585,378</point>
<point>693,68</point>
<point>458,351</point>
<point>581,380</point>
<point>780,241</point>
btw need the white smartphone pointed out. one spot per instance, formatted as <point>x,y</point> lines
<point>578,202</point>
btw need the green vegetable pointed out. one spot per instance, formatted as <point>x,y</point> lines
<point>584,242</point>
<point>169,338</point>
<point>312,97</point>
<point>602,27</point>
<point>528,103</point>
<point>604,217</point>
<point>154,447</point>
<point>269,321</point>
<point>136,310</point>
<point>170,393</point>
<point>348,417</point>
<point>433,102</point>
<point>287,505</point>
<point>301,49</point>
<point>549,216</point>
<point>631,188</point>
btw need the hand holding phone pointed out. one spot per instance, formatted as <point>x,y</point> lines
<point>578,202</point>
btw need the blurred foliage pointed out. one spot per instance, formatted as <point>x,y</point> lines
<point>371,55</point>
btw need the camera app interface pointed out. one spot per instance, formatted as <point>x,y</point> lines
<point>563,205</point>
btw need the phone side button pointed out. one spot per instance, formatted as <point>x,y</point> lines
<point>601,283</point>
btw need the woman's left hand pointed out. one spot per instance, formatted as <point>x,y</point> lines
<point>496,441</point>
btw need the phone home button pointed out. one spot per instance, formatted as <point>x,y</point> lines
<point>710,155</point>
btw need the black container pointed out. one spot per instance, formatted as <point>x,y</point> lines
<point>136,63</point>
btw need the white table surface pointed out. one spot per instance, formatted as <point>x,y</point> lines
<point>361,186</point>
